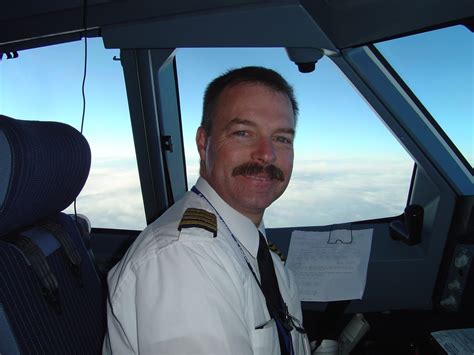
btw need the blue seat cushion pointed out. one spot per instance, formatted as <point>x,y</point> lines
<point>46,167</point>
<point>33,326</point>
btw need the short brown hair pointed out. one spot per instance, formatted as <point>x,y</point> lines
<point>260,75</point>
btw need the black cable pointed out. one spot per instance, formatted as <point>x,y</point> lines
<point>84,25</point>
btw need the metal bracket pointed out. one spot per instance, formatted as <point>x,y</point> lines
<point>167,143</point>
<point>458,274</point>
<point>9,55</point>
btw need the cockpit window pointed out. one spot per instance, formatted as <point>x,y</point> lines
<point>347,166</point>
<point>46,84</point>
<point>438,66</point>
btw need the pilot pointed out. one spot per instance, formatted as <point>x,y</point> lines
<point>201,279</point>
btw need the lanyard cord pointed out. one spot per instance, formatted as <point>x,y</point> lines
<point>288,321</point>
<point>200,194</point>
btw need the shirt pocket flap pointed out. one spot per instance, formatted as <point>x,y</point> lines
<point>265,339</point>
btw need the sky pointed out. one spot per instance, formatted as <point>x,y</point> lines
<point>348,166</point>
<point>441,75</point>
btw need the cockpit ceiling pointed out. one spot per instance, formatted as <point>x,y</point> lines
<point>346,23</point>
<point>350,23</point>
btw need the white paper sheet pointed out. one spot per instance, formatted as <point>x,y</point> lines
<point>330,266</point>
<point>456,341</point>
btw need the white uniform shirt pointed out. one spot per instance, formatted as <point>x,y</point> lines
<point>190,293</point>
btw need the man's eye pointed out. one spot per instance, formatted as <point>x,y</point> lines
<point>240,133</point>
<point>283,139</point>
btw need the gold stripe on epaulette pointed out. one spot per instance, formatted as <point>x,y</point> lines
<point>197,218</point>
<point>277,251</point>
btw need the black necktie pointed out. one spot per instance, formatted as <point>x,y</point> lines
<point>271,291</point>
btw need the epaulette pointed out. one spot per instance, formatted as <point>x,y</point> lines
<point>277,251</point>
<point>197,218</point>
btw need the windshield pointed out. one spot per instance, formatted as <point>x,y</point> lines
<point>345,158</point>
<point>438,67</point>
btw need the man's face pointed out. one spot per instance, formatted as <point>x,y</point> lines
<point>248,156</point>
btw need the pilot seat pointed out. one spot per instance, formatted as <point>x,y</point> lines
<point>51,297</point>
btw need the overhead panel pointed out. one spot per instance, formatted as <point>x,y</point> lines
<point>272,25</point>
<point>23,22</point>
<point>352,23</point>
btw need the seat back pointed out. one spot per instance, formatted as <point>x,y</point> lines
<point>51,299</point>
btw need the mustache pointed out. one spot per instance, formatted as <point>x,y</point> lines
<point>254,169</point>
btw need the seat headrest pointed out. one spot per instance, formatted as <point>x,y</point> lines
<point>43,167</point>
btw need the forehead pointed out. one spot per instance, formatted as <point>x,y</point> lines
<point>253,101</point>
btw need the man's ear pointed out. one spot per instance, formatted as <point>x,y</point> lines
<point>201,142</point>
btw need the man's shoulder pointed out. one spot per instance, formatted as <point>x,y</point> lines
<point>197,219</point>
<point>190,219</point>
<point>186,224</point>
<point>190,216</point>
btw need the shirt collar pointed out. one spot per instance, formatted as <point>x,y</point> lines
<point>240,226</point>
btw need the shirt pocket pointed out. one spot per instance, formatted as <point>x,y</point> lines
<point>265,339</point>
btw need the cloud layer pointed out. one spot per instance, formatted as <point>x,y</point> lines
<point>112,196</point>
<point>337,191</point>
<point>321,192</point>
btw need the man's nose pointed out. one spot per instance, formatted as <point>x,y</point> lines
<point>264,151</point>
